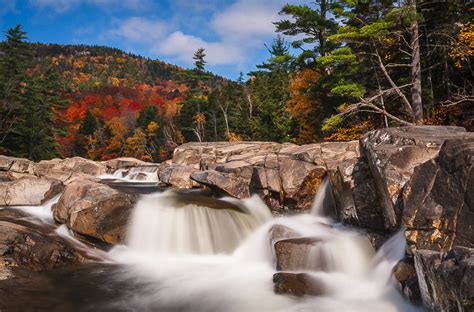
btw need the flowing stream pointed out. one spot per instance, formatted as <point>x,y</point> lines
<point>189,252</point>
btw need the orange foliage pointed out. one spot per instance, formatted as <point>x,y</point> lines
<point>302,102</point>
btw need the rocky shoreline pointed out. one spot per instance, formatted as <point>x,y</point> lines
<point>419,179</point>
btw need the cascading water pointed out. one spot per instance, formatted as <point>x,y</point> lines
<point>188,252</point>
<point>200,258</point>
<point>168,223</point>
<point>144,174</point>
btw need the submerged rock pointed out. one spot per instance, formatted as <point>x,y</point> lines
<point>36,247</point>
<point>297,284</point>
<point>94,211</point>
<point>28,191</point>
<point>298,254</point>
<point>446,279</point>
<point>278,232</point>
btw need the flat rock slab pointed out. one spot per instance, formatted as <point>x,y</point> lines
<point>29,191</point>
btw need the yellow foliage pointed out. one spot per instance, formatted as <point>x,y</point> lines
<point>463,47</point>
<point>136,145</point>
<point>115,81</point>
<point>151,129</point>
<point>232,137</point>
<point>199,118</point>
<point>348,134</point>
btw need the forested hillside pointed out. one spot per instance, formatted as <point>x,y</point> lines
<point>342,68</point>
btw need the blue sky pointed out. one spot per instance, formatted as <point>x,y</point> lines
<point>233,32</point>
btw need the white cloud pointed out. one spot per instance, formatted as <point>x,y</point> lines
<point>182,47</point>
<point>140,30</point>
<point>247,18</point>
<point>239,31</point>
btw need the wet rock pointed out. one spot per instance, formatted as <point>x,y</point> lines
<point>297,284</point>
<point>446,279</point>
<point>407,280</point>
<point>220,181</point>
<point>392,155</point>
<point>438,201</point>
<point>177,176</point>
<point>94,211</point>
<point>36,247</point>
<point>29,191</point>
<point>299,254</point>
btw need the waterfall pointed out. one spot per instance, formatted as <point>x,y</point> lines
<point>170,222</point>
<point>199,254</point>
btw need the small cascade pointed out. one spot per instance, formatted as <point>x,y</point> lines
<point>42,213</point>
<point>323,204</point>
<point>143,174</point>
<point>175,223</point>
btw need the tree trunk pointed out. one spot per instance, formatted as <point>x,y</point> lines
<point>416,70</point>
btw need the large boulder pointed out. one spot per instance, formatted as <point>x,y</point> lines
<point>438,201</point>
<point>176,176</point>
<point>29,191</point>
<point>446,279</point>
<point>225,182</point>
<point>36,247</point>
<point>297,284</point>
<point>65,169</point>
<point>392,155</point>
<point>94,211</point>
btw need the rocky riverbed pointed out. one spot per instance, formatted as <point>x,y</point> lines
<point>418,179</point>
